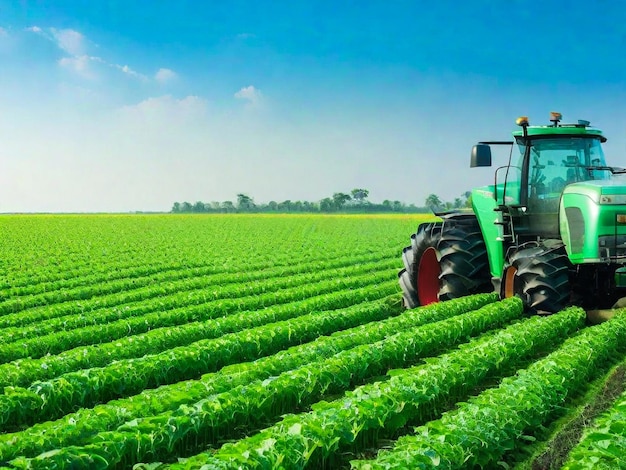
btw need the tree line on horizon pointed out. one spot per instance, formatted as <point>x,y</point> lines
<point>356,201</point>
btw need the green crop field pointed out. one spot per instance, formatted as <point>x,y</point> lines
<point>280,341</point>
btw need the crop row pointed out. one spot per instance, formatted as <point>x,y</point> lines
<point>20,406</point>
<point>163,298</point>
<point>479,432</point>
<point>61,279</point>
<point>41,249</point>
<point>109,329</point>
<point>318,438</point>
<point>77,427</point>
<point>189,278</point>
<point>216,417</point>
<point>67,392</point>
<point>129,290</point>
<point>603,445</point>
<point>112,279</point>
<point>24,371</point>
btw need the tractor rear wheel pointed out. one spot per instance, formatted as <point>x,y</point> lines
<point>445,261</point>
<point>540,277</point>
<point>427,237</point>
<point>463,259</point>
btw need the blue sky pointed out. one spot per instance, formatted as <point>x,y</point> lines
<point>123,106</point>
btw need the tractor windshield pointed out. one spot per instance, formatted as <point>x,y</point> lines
<point>556,162</point>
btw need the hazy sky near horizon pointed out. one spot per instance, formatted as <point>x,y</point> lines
<point>128,106</point>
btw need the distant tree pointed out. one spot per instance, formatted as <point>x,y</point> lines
<point>244,202</point>
<point>199,207</point>
<point>433,201</point>
<point>228,206</point>
<point>340,199</point>
<point>360,195</point>
<point>285,205</point>
<point>467,199</point>
<point>327,205</point>
<point>458,203</point>
<point>308,206</point>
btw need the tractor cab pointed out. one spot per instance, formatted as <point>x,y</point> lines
<point>549,158</point>
<point>549,163</point>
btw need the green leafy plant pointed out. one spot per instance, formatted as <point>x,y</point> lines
<point>408,394</point>
<point>481,430</point>
<point>77,427</point>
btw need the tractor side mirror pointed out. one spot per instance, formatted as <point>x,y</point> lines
<point>481,155</point>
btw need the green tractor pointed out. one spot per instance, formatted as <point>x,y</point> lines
<point>551,229</point>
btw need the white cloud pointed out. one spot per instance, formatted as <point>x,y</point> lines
<point>3,32</point>
<point>80,64</point>
<point>127,70</point>
<point>164,75</point>
<point>166,109</point>
<point>69,40</point>
<point>75,45</point>
<point>249,93</point>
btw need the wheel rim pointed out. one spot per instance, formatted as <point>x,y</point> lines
<point>428,277</point>
<point>508,282</point>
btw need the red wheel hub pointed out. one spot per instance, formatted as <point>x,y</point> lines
<point>508,282</point>
<point>428,277</point>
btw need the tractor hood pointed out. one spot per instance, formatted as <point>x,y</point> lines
<point>592,221</point>
<point>601,192</point>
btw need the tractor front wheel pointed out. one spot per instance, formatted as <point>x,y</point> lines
<point>539,275</point>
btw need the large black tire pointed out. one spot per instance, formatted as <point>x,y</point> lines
<point>463,259</point>
<point>539,275</point>
<point>427,236</point>
<point>460,253</point>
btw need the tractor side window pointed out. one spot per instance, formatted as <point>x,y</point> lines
<point>550,170</point>
<point>546,181</point>
<point>546,178</point>
<point>508,183</point>
<point>595,158</point>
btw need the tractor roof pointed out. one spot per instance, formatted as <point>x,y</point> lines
<point>581,129</point>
